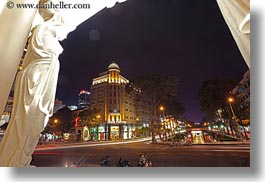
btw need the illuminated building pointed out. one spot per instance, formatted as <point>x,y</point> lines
<point>114,103</point>
<point>242,93</point>
<point>242,90</point>
<point>83,99</point>
<point>72,107</point>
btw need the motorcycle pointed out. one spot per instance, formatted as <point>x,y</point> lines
<point>144,161</point>
<point>123,163</point>
<point>105,162</point>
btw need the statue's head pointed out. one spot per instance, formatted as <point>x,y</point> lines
<point>54,19</point>
<point>46,11</point>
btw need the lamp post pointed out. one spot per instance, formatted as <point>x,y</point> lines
<point>162,109</point>
<point>55,126</point>
<point>230,100</point>
<point>234,117</point>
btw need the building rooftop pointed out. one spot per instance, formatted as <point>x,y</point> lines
<point>113,65</point>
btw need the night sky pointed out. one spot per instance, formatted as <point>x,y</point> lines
<point>185,38</point>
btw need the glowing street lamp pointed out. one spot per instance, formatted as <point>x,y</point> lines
<point>231,100</point>
<point>162,109</point>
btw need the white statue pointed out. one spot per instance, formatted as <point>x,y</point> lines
<point>34,91</point>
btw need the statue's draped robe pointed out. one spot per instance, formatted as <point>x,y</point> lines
<point>34,95</point>
<point>237,16</point>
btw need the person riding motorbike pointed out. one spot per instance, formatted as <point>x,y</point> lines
<point>144,161</point>
<point>123,163</point>
<point>105,162</point>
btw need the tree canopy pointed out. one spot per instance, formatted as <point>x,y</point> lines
<point>213,95</point>
<point>90,117</point>
<point>61,121</point>
<point>156,89</point>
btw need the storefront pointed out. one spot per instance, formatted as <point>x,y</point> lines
<point>85,135</point>
<point>93,133</point>
<point>103,133</point>
<point>127,132</point>
<point>109,132</point>
<point>114,132</point>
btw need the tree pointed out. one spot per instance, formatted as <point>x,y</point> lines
<point>213,95</point>
<point>155,89</point>
<point>89,117</point>
<point>61,121</point>
<point>174,107</point>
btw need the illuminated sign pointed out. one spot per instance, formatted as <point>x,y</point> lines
<point>114,129</point>
<point>101,129</point>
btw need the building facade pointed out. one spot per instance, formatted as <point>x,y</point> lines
<point>242,90</point>
<point>110,97</point>
<point>83,99</point>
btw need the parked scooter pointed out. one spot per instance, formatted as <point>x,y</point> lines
<point>144,161</point>
<point>105,162</point>
<point>123,163</point>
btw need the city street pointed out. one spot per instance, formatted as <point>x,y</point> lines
<point>212,155</point>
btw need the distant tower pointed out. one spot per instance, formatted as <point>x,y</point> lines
<point>83,99</point>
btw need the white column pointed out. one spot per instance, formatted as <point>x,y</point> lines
<point>14,30</point>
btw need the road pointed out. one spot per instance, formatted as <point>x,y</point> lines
<point>161,155</point>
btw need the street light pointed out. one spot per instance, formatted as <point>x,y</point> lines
<point>231,100</point>
<point>162,109</point>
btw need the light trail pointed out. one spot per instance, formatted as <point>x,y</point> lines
<point>92,145</point>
